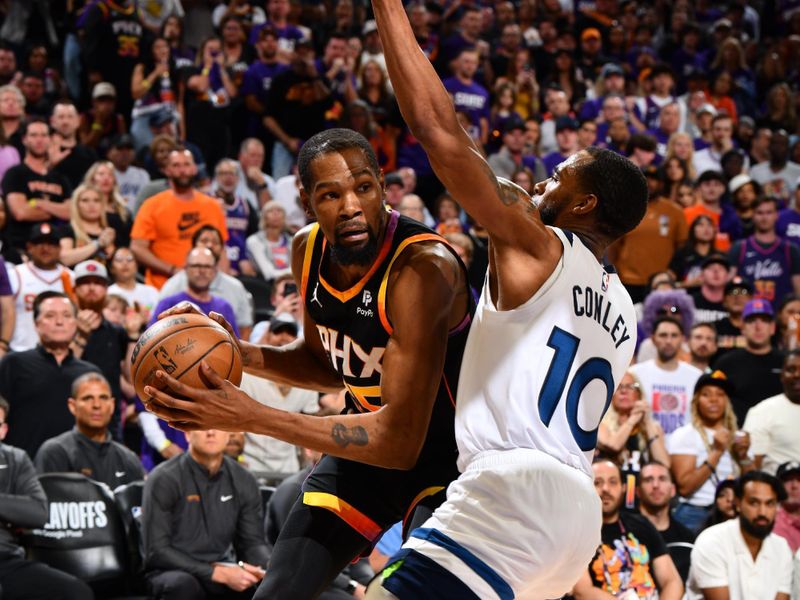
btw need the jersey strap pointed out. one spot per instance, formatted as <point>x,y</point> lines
<point>310,242</point>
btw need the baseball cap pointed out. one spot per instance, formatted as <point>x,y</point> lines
<point>717,259</point>
<point>722,23</point>
<point>788,469</point>
<point>512,123</point>
<point>706,108</point>
<point>370,26</point>
<point>283,322</point>
<point>710,175</point>
<point>759,306</point>
<point>591,33</point>
<point>90,268</point>
<point>717,379</point>
<point>104,90</point>
<point>737,182</point>
<point>563,123</point>
<point>122,141</point>
<point>161,117</point>
<point>610,69</point>
<point>42,232</point>
<point>737,283</point>
<point>393,179</point>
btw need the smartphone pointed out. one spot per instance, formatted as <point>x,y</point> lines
<point>289,289</point>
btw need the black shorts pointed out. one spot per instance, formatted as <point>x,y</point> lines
<point>371,499</point>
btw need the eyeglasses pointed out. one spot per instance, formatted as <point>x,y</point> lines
<point>739,292</point>
<point>629,386</point>
<point>201,267</point>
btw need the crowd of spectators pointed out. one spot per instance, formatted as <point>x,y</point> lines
<point>148,156</point>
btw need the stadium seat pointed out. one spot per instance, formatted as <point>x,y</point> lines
<point>266,493</point>
<point>261,290</point>
<point>129,502</point>
<point>85,535</point>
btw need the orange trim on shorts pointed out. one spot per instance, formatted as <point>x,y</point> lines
<point>312,237</point>
<point>344,296</point>
<point>422,237</point>
<point>429,491</point>
<point>350,515</point>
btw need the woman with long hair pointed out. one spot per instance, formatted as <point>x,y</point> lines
<point>358,117</point>
<point>155,86</point>
<point>101,176</point>
<point>87,235</point>
<point>567,77</point>
<point>779,112</point>
<point>523,76</point>
<point>373,88</point>
<point>724,507</point>
<point>731,59</point>
<point>674,172</point>
<point>707,450</point>
<point>505,98</point>
<point>687,261</point>
<point>680,146</point>
<point>787,334</point>
<point>525,179</point>
<point>628,434</point>
<point>720,94</point>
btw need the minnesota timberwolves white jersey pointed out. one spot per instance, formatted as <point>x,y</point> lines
<point>541,376</point>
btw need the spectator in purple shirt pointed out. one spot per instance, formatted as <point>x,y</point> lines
<point>470,97</point>
<point>567,138</point>
<point>201,267</point>
<point>258,77</point>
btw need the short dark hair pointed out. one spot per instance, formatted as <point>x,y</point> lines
<point>328,141</point>
<point>791,354</point>
<point>760,477</point>
<point>202,230</point>
<point>620,187</point>
<point>668,319</point>
<point>606,459</point>
<point>707,324</point>
<point>766,200</point>
<point>37,302</point>
<point>654,463</point>
<point>642,141</point>
<point>26,124</point>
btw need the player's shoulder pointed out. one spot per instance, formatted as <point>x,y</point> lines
<point>429,257</point>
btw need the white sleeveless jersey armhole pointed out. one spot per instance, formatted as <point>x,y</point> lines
<point>540,376</point>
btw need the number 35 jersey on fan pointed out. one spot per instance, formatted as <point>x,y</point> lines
<point>541,376</point>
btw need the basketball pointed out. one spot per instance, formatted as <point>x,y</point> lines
<point>177,344</point>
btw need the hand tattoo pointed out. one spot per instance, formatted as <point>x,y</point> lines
<point>345,436</point>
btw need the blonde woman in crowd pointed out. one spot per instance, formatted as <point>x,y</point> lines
<point>680,146</point>
<point>101,176</point>
<point>88,234</point>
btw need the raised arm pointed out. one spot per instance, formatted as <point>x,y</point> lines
<point>429,113</point>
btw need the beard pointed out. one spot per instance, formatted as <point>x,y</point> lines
<point>548,213</point>
<point>93,304</point>
<point>756,530</point>
<point>181,184</point>
<point>361,255</point>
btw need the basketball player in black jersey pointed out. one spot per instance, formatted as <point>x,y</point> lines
<point>387,312</point>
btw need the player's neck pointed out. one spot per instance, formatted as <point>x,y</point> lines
<point>659,517</point>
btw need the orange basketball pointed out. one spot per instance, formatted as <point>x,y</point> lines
<point>177,344</point>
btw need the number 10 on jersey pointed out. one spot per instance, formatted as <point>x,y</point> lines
<point>565,345</point>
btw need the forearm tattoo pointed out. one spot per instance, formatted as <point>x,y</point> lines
<point>344,436</point>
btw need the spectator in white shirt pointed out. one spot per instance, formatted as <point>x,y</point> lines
<point>772,423</point>
<point>742,559</point>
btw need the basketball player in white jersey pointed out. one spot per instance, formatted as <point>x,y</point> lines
<point>552,336</point>
<point>41,273</point>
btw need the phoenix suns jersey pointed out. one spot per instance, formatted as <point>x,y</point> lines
<point>354,327</point>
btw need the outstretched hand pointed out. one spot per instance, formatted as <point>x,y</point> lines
<point>221,406</point>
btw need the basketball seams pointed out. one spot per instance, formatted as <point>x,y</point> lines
<point>196,362</point>
<point>154,342</point>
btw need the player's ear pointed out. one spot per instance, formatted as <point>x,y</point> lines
<point>305,200</point>
<point>585,204</point>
